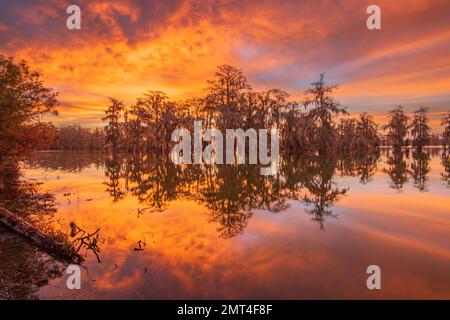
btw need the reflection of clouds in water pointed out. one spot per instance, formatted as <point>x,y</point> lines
<point>277,255</point>
<point>267,261</point>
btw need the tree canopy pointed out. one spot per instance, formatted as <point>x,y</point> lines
<point>24,100</point>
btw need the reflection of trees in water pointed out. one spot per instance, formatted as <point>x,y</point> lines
<point>23,197</point>
<point>23,269</point>
<point>359,165</point>
<point>397,169</point>
<point>321,190</point>
<point>420,168</point>
<point>231,193</point>
<point>235,191</point>
<point>445,161</point>
<point>153,180</point>
<point>113,171</point>
<point>70,161</point>
<point>228,199</point>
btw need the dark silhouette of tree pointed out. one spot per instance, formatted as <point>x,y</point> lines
<point>113,171</point>
<point>74,137</point>
<point>362,165</point>
<point>323,109</point>
<point>296,128</point>
<point>231,103</point>
<point>346,130</point>
<point>358,135</point>
<point>226,96</point>
<point>113,127</point>
<point>397,128</point>
<point>419,169</point>
<point>231,193</point>
<point>446,134</point>
<point>24,198</point>
<point>322,190</point>
<point>420,130</point>
<point>151,121</point>
<point>445,161</point>
<point>366,136</point>
<point>155,181</point>
<point>235,192</point>
<point>397,170</point>
<point>24,100</point>
<point>68,161</point>
<point>270,108</point>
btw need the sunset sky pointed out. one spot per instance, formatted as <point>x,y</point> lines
<point>125,48</point>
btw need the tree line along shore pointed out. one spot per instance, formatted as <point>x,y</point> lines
<point>318,124</point>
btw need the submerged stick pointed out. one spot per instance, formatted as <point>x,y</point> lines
<point>59,250</point>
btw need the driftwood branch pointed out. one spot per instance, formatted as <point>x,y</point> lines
<point>59,250</point>
<point>89,241</point>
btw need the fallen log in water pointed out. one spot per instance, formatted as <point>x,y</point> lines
<point>59,250</point>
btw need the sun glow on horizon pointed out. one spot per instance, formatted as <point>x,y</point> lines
<point>126,48</point>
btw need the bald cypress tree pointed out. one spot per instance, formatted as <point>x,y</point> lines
<point>446,134</point>
<point>420,130</point>
<point>397,128</point>
<point>112,117</point>
<point>227,96</point>
<point>323,110</point>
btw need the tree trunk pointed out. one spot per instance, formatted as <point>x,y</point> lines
<point>59,250</point>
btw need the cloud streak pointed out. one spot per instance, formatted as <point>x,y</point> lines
<point>128,47</point>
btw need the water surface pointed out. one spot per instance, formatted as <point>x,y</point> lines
<point>228,233</point>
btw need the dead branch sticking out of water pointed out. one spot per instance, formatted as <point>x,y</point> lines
<point>56,248</point>
<point>89,241</point>
<point>141,245</point>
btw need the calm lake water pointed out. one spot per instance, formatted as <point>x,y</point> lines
<point>229,233</point>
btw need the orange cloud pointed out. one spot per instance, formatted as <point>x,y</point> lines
<point>128,47</point>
